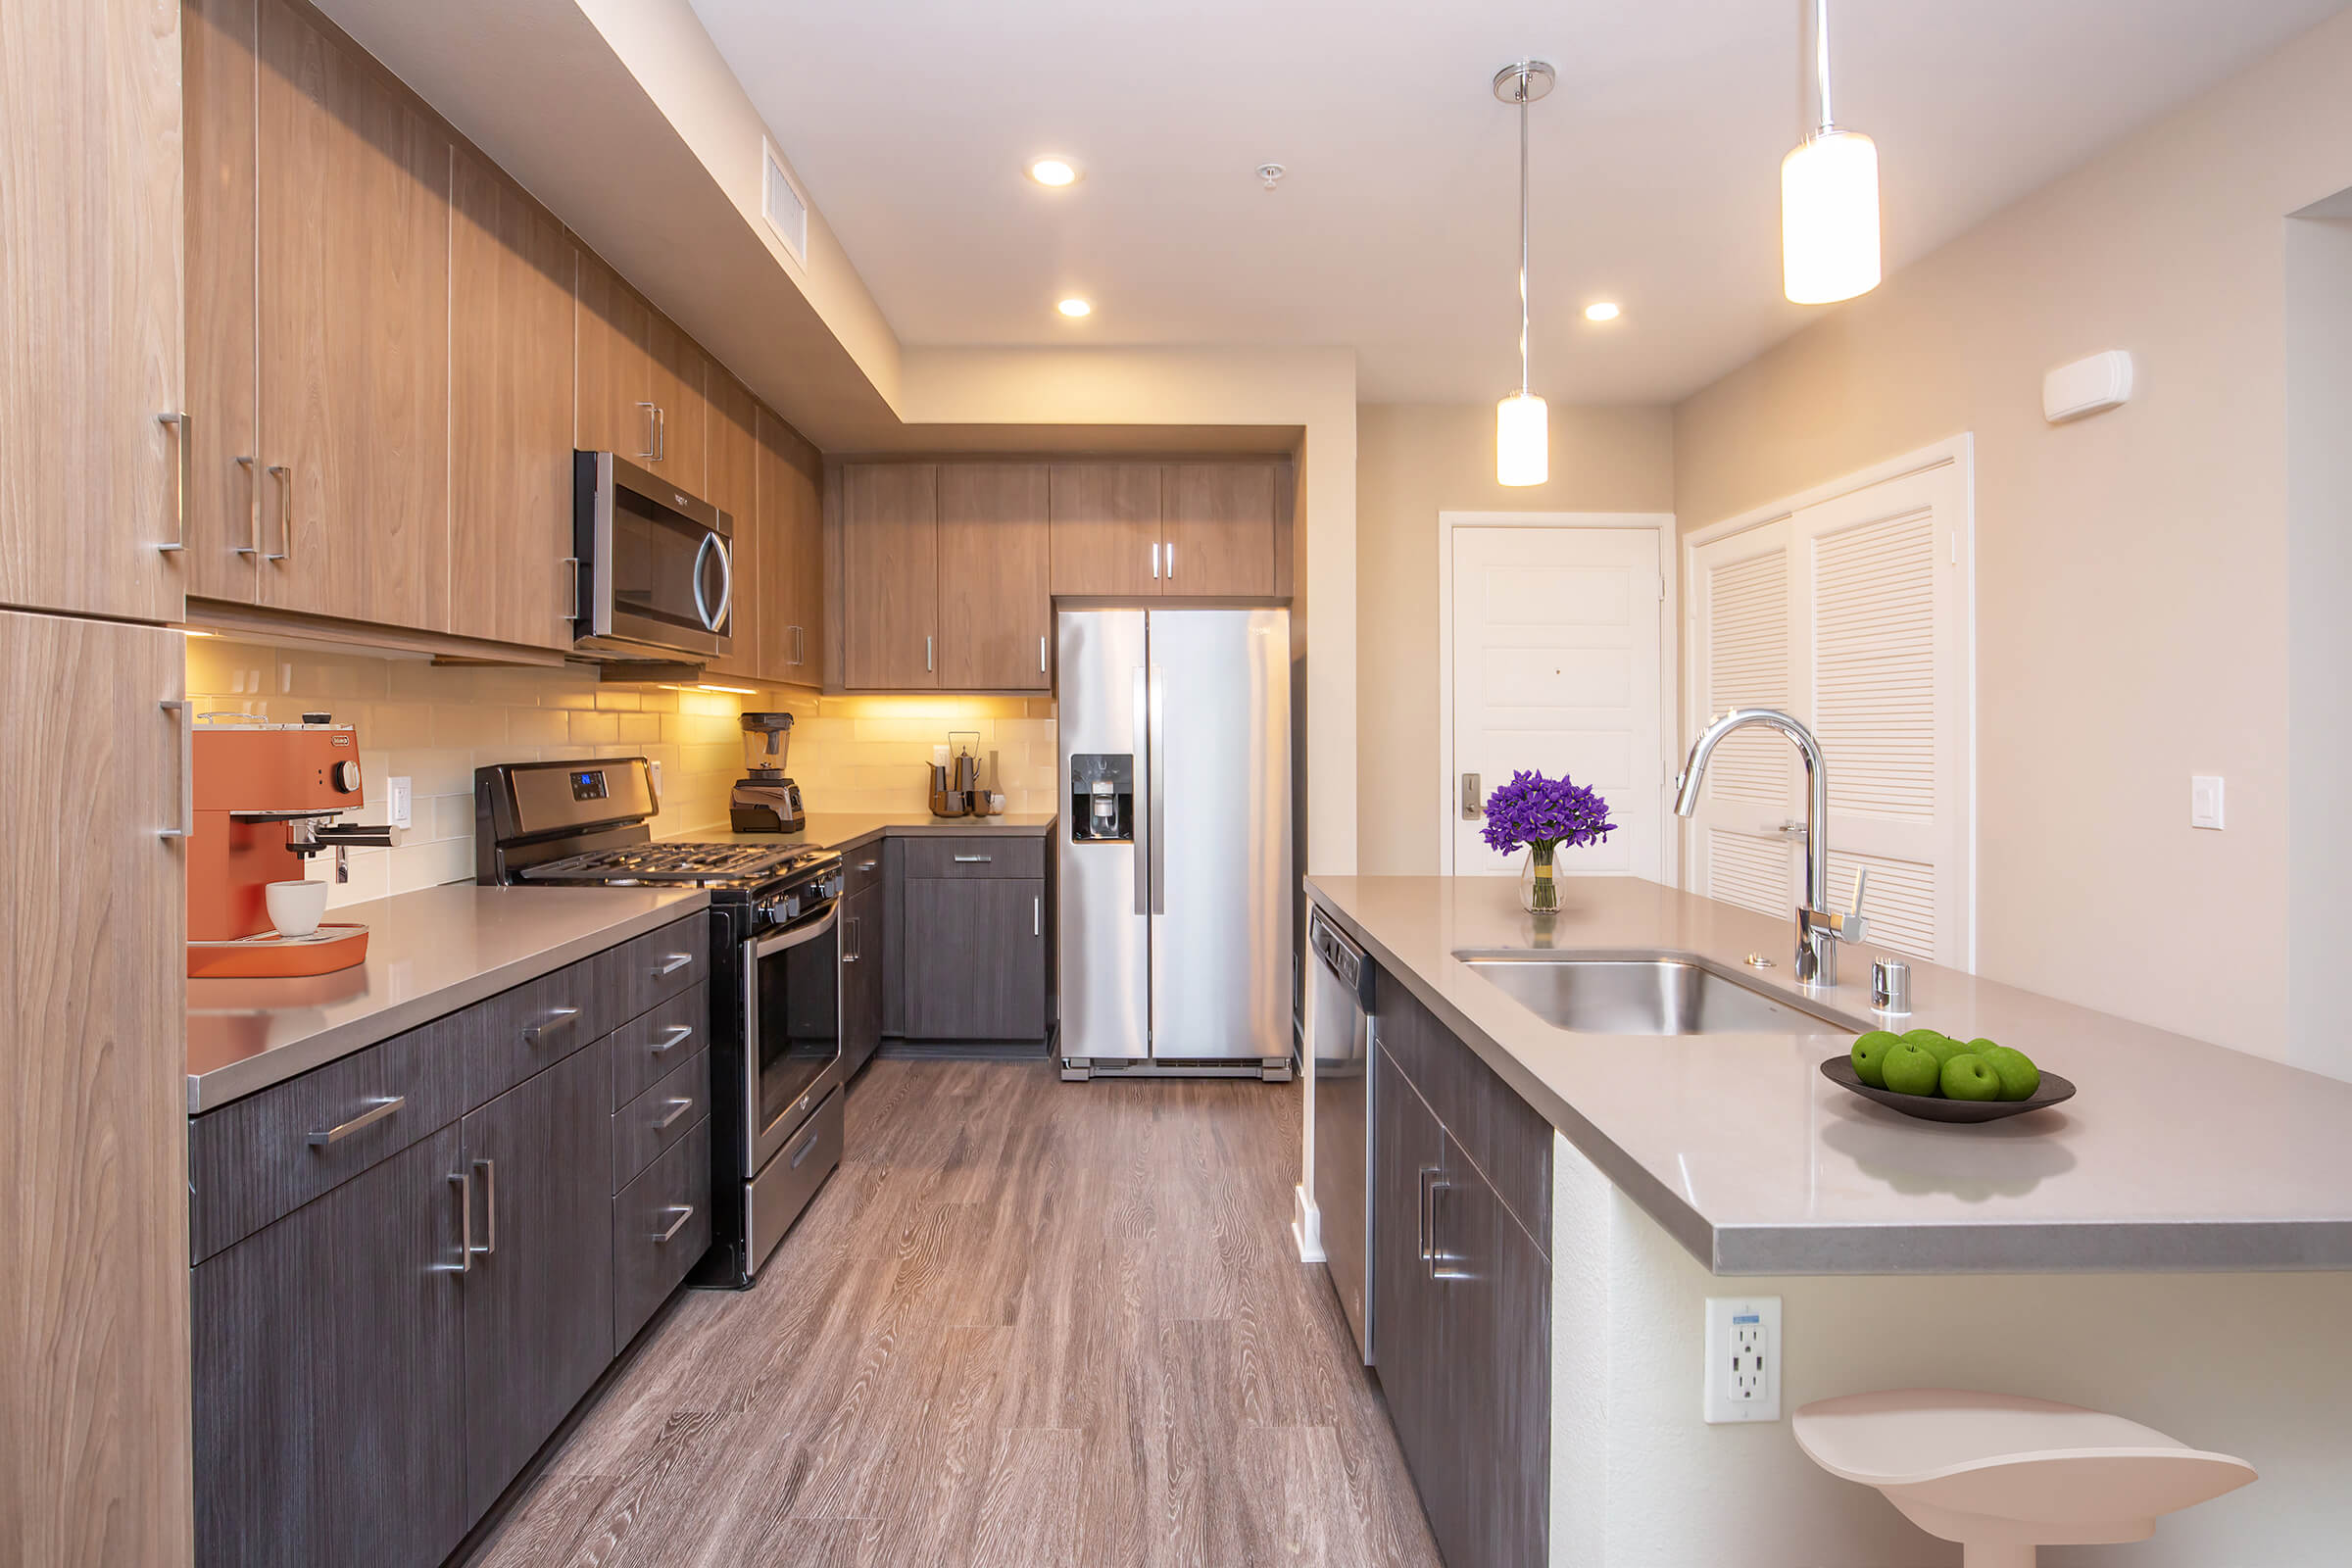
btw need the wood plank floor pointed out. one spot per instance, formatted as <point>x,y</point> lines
<point>1026,1323</point>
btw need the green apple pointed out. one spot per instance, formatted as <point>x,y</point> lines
<point>1911,1069</point>
<point>1969,1076</point>
<point>2019,1078</point>
<point>1870,1055</point>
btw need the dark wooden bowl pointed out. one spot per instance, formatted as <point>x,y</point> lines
<point>1839,1070</point>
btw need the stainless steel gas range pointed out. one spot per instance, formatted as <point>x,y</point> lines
<point>775,1003</point>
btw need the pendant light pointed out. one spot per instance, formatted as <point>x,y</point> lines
<point>1829,188</point>
<point>1522,442</point>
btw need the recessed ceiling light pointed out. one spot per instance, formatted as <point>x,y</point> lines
<point>1604,311</point>
<point>1053,171</point>
<point>1074,307</point>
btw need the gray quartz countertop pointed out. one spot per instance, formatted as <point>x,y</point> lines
<point>429,952</point>
<point>846,830</point>
<point>2174,1154</point>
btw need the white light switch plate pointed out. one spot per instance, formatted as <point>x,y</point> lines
<point>2205,801</point>
<point>399,801</point>
<point>1744,1358</point>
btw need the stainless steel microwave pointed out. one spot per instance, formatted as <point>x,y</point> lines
<point>655,566</point>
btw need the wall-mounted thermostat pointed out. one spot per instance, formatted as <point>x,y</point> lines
<point>2088,386</point>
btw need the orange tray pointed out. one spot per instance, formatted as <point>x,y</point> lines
<point>269,956</point>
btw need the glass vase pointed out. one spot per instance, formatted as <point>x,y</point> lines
<point>1539,886</point>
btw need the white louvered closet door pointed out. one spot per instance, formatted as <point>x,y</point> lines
<point>1741,596</point>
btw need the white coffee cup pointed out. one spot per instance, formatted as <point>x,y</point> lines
<point>295,907</point>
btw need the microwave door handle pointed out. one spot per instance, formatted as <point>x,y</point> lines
<point>726,582</point>
<point>701,606</point>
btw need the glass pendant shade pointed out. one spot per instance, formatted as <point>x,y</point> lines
<point>1522,445</point>
<point>1830,218</point>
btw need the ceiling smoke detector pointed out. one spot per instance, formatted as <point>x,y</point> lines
<point>1271,173</point>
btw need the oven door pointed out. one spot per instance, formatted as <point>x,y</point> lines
<point>791,1029</point>
<point>657,566</point>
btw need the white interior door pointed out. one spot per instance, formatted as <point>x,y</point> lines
<point>1854,612</point>
<point>1556,668</point>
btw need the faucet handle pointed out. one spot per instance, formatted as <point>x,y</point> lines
<point>1850,926</point>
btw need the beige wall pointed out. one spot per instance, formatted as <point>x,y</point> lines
<point>2132,568</point>
<point>1413,461</point>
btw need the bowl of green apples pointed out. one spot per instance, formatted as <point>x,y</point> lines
<point>1929,1074</point>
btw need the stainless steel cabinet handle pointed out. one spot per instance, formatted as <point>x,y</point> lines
<point>650,415</point>
<point>187,476</point>
<point>284,476</point>
<point>685,1212</point>
<point>974,859</point>
<point>1041,656</point>
<point>253,509</point>
<point>867,865</point>
<point>673,963</point>
<point>660,434</point>
<point>679,1034</point>
<point>1171,561</point>
<point>800,652</point>
<point>462,1181</point>
<point>855,948</point>
<point>1036,917</point>
<point>1156,563</point>
<point>383,1107</point>
<point>187,770</point>
<point>677,1108</point>
<point>489,1170</point>
<point>1473,799</point>
<point>557,1018</point>
<point>927,667</point>
<point>1421,1217</point>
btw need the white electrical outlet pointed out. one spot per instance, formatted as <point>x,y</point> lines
<point>399,801</point>
<point>1744,1358</point>
<point>653,770</point>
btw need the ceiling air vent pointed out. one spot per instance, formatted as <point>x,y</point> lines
<point>782,204</point>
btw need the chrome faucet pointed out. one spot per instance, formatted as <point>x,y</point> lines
<point>1819,928</point>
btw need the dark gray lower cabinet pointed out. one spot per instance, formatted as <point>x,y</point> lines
<point>975,957</point>
<point>539,1296</point>
<point>330,1376</point>
<point>1462,1336</point>
<point>862,961</point>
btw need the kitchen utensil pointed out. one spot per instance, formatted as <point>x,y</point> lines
<point>1839,1070</point>
<point>1890,985</point>
<point>946,799</point>
<point>764,800</point>
<point>295,907</point>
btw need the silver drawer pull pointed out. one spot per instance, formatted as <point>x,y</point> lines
<point>557,1018</point>
<point>867,865</point>
<point>675,963</point>
<point>679,1034</point>
<point>462,1181</point>
<point>367,1119</point>
<point>489,1170</point>
<point>685,1212</point>
<point>974,859</point>
<point>807,1145</point>
<point>677,1108</point>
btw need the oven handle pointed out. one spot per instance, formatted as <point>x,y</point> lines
<point>769,947</point>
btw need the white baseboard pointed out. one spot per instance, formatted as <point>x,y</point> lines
<point>1306,1226</point>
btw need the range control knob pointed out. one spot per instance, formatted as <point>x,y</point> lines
<point>346,778</point>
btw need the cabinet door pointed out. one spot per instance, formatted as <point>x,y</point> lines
<point>1408,1155</point>
<point>511,288</point>
<point>734,488</point>
<point>791,570</point>
<point>227,486</point>
<point>975,958</point>
<point>354,301</point>
<point>329,1377</point>
<point>861,944</point>
<point>1496,1333</point>
<point>539,1299</point>
<point>1104,528</point>
<point>1219,530</point>
<point>90,291</point>
<point>890,576</point>
<point>681,407</point>
<point>93,1342</point>
<point>995,601</point>
<point>614,403</point>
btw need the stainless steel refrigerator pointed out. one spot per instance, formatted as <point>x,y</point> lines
<point>1174,925</point>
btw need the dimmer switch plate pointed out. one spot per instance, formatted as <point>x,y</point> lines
<point>2205,801</point>
<point>1744,1358</point>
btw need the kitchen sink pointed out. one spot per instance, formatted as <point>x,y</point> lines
<point>1638,995</point>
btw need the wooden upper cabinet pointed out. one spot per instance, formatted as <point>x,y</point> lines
<point>354,299</point>
<point>90,357</point>
<point>996,607</point>
<point>1218,532</point>
<point>1105,522</point>
<point>614,410</point>
<point>511,372</point>
<point>792,561</point>
<point>681,407</point>
<point>227,486</point>
<point>890,576</point>
<point>734,488</point>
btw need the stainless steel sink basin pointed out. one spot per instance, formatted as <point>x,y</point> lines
<point>1637,995</point>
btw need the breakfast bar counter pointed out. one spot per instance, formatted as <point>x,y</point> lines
<point>2174,1154</point>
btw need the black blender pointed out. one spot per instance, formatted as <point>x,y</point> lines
<point>765,800</point>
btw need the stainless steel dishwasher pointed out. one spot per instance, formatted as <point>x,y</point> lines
<point>1341,1049</point>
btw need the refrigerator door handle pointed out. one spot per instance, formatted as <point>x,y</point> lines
<point>1142,824</point>
<point>1159,740</point>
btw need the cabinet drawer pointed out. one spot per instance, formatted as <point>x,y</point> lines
<point>537,1024</point>
<point>651,1045</point>
<point>1501,1134</point>
<point>660,1227</point>
<point>989,856</point>
<point>647,1127</point>
<point>863,868</point>
<point>262,1156</point>
<point>656,966</point>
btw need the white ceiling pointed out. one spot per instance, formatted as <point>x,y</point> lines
<point>1656,162</point>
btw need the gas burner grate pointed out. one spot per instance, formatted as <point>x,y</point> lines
<point>670,862</point>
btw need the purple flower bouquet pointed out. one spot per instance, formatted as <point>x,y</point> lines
<point>1543,813</point>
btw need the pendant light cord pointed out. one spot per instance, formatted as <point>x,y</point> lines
<point>1523,380</point>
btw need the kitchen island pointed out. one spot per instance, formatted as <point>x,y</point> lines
<point>2171,1245</point>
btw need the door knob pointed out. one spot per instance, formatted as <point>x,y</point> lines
<point>1473,799</point>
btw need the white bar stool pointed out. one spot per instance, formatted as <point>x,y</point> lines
<point>2003,1475</point>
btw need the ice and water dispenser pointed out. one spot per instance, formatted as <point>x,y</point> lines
<point>1102,797</point>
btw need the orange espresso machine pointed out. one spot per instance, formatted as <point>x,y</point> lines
<point>267,800</point>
